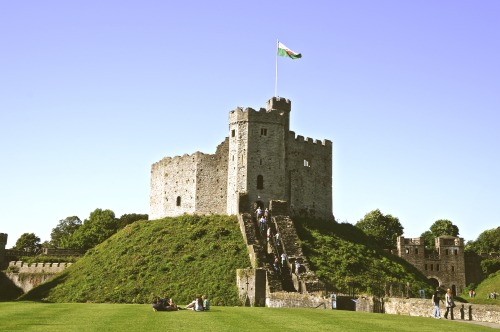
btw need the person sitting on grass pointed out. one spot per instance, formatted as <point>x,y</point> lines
<point>196,305</point>
<point>160,304</point>
<point>171,306</point>
<point>192,304</point>
<point>206,303</point>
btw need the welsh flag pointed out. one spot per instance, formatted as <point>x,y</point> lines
<point>285,51</point>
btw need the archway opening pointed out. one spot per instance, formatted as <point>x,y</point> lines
<point>434,282</point>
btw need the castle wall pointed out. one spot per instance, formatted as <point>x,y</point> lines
<point>309,168</point>
<point>173,186</point>
<point>29,276</point>
<point>211,181</point>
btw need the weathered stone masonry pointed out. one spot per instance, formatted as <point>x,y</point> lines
<point>260,161</point>
<point>446,266</point>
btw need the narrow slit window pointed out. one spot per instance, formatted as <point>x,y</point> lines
<point>260,182</point>
<point>263,131</point>
<point>233,133</point>
<point>178,202</point>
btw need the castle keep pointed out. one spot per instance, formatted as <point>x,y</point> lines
<point>260,160</point>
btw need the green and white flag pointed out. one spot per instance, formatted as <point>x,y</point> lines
<point>285,51</point>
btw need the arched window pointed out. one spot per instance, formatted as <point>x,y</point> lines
<point>260,182</point>
<point>178,203</point>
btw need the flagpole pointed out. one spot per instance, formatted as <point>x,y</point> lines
<point>276,80</point>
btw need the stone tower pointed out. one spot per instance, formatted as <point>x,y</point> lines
<point>3,243</point>
<point>3,240</point>
<point>257,153</point>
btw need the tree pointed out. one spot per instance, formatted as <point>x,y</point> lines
<point>444,227</point>
<point>28,242</point>
<point>487,242</point>
<point>438,228</point>
<point>100,226</point>
<point>384,229</point>
<point>127,219</point>
<point>62,233</point>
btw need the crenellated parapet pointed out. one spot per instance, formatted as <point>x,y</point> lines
<point>279,103</point>
<point>49,268</point>
<point>262,115</point>
<point>307,140</point>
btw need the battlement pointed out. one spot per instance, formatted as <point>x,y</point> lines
<point>280,104</point>
<point>308,140</point>
<point>447,240</point>
<point>417,241</point>
<point>22,267</point>
<point>167,160</point>
<point>262,115</point>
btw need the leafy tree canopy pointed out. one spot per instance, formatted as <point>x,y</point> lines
<point>100,226</point>
<point>28,242</point>
<point>384,229</point>
<point>438,228</point>
<point>487,242</point>
<point>61,234</point>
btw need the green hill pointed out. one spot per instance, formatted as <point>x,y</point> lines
<point>345,259</point>
<point>487,286</point>
<point>188,255</point>
<point>175,257</point>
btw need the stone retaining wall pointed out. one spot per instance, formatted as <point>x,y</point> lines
<point>296,300</point>
<point>425,308</point>
<point>29,276</point>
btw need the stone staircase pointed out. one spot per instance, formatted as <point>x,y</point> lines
<point>263,253</point>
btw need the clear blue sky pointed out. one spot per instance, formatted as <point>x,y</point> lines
<point>93,92</point>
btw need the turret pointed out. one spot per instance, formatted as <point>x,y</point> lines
<point>3,240</point>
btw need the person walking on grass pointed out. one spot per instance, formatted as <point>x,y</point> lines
<point>450,304</point>
<point>436,297</point>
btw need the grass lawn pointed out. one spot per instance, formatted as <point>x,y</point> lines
<point>31,316</point>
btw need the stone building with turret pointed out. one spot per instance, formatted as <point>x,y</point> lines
<point>260,160</point>
<point>444,267</point>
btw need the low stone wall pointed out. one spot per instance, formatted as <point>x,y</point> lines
<point>296,300</point>
<point>425,308</point>
<point>29,276</point>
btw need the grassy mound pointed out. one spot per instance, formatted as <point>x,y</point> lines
<point>175,257</point>
<point>345,258</point>
<point>487,286</point>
